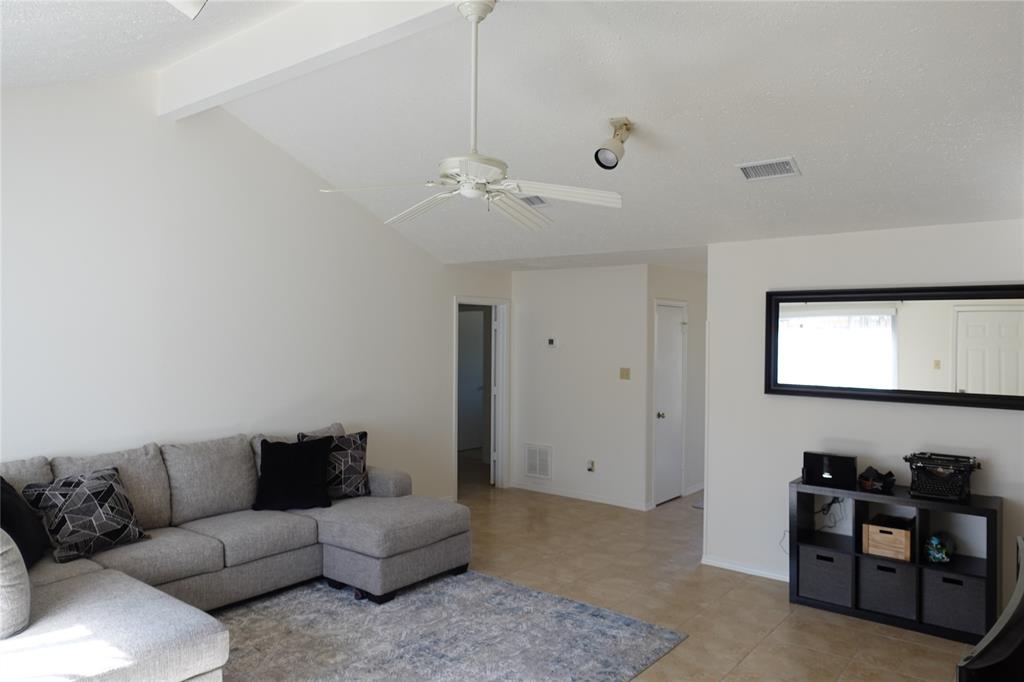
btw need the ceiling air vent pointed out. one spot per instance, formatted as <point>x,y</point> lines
<point>534,201</point>
<point>772,168</point>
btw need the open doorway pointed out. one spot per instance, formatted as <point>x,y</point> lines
<point>475,390</point>
<point>668,473</point>
<point>481,397</point>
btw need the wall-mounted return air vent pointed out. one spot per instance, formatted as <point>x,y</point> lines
<point>534,201</point>
<point>538,460</point>
<point>772,168</point>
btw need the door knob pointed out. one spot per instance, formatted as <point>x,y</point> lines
<point>661,415</point>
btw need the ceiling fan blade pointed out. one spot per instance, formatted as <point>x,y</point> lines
<point>519,211</point>
<point>429,183</point>
<point>422,207</point>
<point>581,195</point>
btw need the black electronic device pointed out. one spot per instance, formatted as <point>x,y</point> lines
<point>830,471</point>
<point>941,477</point>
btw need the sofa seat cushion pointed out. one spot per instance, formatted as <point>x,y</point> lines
<point>48,571</point>
<point>385,526</point>
<point>107,626</point>
<point>249,535</point>
<point>168,554</point>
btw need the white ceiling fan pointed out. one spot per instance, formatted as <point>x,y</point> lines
<point>475,176</point>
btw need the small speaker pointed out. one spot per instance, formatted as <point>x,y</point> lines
<point>830,471</point>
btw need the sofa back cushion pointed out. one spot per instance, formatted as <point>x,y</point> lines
<point>256,442</point>
<point>20,472</point>
<point>210,477</point>
<point>142,473</point>
<point>335,429</point>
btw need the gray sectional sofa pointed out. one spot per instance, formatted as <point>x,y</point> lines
<point>136,612</point>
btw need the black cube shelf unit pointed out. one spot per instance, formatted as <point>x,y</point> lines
<point>957,600</point>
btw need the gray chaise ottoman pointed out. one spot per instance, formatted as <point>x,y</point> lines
<point>380,544</point>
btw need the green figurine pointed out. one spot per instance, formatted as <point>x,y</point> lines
<point>939,548</point>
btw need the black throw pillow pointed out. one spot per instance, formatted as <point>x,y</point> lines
<point>22,524</point>
<point>293,475</point>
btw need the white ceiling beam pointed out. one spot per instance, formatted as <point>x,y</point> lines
<point>297,41</point>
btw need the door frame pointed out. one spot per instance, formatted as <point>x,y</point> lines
<point>500,418</point>
<point>668,303</point>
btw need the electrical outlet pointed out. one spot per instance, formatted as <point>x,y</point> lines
<point>624,373</point>
<point>552,342</point>
<point>936,364</point>
<point>590,465</point>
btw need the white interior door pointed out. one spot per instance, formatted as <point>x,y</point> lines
<point>472,379</point>
<point>669,402</point>
<point>990,351</point>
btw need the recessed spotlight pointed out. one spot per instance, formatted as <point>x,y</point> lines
<point>612,150</point>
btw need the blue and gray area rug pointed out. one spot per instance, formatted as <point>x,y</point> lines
<point>471,627</point>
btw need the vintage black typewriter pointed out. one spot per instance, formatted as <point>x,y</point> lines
<point>941,477</point>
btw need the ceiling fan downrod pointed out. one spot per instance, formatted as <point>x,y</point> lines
<point>474,11</point>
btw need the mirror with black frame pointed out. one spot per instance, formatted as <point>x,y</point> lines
<point>947,345</point>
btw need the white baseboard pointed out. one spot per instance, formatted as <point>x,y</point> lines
<point>526,485</point>
<point>740,568</point>
<point>695,488</point>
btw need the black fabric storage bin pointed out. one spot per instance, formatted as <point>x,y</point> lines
<point>953,601</point>
<point>887,587</point>
<point>826,575</point>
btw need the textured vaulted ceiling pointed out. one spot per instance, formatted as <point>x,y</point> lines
<point>49,42</point>
<point>898,114</point>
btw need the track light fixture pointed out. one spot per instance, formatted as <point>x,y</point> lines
<point>612,150</point>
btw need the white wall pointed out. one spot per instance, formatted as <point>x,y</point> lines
<point>691,288</point>
<point>571,397</point>
<point>755,440</point>
<point>167,281</point>
<point>924,335</point>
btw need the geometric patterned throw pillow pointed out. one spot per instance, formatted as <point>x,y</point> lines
<point>346,467</point>
<point>85,514</point>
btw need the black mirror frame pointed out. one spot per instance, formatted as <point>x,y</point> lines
<point>771,370</point>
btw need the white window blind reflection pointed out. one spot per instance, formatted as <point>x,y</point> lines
<point>838,349</point>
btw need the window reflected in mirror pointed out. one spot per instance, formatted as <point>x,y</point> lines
<point>833,345</point>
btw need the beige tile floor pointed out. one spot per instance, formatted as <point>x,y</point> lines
<point>648,565</point>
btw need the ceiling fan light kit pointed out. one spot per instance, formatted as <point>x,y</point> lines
<point>612,150</point>
<point>475,176</point>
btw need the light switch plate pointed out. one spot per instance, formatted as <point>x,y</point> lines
<point>624,373</point>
